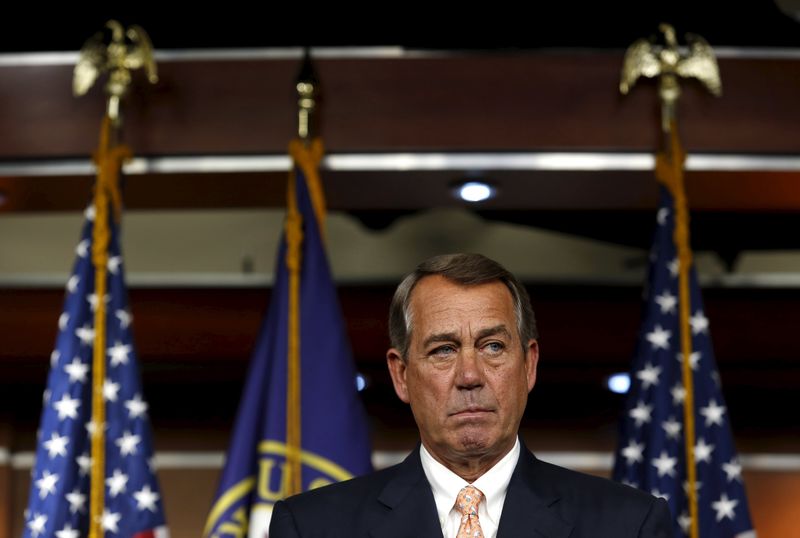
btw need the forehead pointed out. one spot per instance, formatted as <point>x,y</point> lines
<point>438,304</point>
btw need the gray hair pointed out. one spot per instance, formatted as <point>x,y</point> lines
<point>467,270</point>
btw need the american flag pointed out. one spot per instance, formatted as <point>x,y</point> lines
<point>651,454</point>
<point>58,503</point>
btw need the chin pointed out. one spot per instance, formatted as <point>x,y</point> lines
<point>475,442</point>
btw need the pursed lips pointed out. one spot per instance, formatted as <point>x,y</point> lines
<point>470,411</point>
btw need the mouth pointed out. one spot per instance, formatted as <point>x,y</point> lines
<point>471,412</point>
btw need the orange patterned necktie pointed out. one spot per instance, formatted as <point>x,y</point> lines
<point>467,503</point>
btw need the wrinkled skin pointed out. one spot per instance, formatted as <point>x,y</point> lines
<point>467,374</point>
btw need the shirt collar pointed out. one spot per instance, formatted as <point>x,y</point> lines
<point>445,484</point>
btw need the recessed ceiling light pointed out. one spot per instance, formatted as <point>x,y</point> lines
<point>475,191</point>
<point>619,383</point>
<point>361,382</point>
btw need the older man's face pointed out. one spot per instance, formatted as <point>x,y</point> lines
<point>466,375</point>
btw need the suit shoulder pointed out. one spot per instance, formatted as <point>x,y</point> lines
<point>577,484</point>
<point>342,492</point>
<point>347,505</point>
<point>601,507</point>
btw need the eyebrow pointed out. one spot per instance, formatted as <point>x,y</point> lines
<point>492,331</point>
<point>440,337</point>
<point>453,337</point>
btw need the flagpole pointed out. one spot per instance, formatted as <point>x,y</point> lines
<point>668,64</point>
<point>669,171</point>
<point>294,240</point>
<point>108,159</point>
<point>119,58</point>
<point>309,155</point>
<point>306,90</point>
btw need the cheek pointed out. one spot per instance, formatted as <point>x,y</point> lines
<point>511,388</point>
<point>427,390</point>
<point>415,383</point>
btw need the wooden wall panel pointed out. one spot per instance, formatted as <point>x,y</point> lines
<point>462,102</point>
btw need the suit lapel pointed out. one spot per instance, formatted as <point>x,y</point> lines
<point>529,508</point>
<point>411,507</point>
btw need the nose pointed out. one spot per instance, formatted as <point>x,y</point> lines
<point>469,371</point>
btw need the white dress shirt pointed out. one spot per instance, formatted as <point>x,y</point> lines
<point>446,485</point>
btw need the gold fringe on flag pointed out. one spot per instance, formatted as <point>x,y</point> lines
<point>669,171</point>
<point>108,159</point>
<point>308,159</point>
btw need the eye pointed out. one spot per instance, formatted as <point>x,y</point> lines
<point>442,352</point>
<point>493,348</point>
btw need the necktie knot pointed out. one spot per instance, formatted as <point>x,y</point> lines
<point>468,500</point>
<point>467,503</point>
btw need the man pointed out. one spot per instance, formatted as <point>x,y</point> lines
<point>464,355</point>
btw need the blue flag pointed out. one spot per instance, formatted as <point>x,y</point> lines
<point>651,454</point>
<point>334,435</point>
<point>58,504</point>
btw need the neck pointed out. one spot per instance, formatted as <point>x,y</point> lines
<point>473,466</point>
<point>470,471</point>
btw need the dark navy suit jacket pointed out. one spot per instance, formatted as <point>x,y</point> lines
<point>543,501</point>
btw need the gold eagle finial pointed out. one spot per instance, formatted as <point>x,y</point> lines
<point>128,50</point>
<point>647,59</point>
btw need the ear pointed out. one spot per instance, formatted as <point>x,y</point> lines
<point>531,362</point>
<point>397,369</point>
